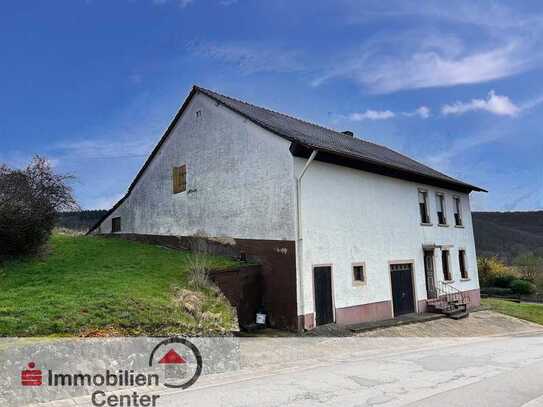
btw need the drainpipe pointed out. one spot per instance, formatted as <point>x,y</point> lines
<point>299,239</point>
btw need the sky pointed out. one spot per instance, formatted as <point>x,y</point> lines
<point>93,84</point>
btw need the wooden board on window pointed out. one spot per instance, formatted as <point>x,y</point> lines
<point>179,178</point>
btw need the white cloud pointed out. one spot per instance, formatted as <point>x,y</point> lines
<point>227,3</point>
<point>425,68</point>
<point>423,112</point>
<point>495,104</point>
<point>436,45</point>
<point>182,3</point>
<point>372,115</point>
<point>248,57</point>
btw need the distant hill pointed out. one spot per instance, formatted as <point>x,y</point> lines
<point>80,221</point>
<point>508,234</point>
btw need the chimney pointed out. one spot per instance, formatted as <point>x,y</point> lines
<point>349,133</point>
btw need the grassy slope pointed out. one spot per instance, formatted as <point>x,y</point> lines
<point>89,283</point>
<point>529,312</point>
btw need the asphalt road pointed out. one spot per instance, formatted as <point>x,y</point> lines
<point>492,371</point>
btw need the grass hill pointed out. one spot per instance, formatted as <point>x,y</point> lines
<point>91,286</point>
<point>508,234</point>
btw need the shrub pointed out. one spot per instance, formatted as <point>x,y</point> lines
<point>491,269</point>
<point>522,287</point>
<point>496,291</point>
<point>198,270</point>
<point>29,201</point>
<point>504,280</point>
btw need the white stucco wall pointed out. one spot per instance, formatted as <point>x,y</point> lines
<point>352,216</point>
<point>238,174</point>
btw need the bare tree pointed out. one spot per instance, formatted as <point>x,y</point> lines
<point>29,201</point>
<point>529,266</point>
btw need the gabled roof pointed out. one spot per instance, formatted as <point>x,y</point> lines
<point>334,147</point>
<point>312,136</point>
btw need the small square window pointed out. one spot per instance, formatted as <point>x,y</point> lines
<point>198,113</point>
<point>359,276</point>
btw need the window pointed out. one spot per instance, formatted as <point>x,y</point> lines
<point>198,113</point>
<point>115,225</point>
<point>179,177</point>
<point>445,263</point>
<point>462,263</point>
<point>358,274</point>
<point>457,211</point>
<point>440,201</point>
<point>423,207</point>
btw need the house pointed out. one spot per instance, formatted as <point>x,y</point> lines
<point>347,231</point>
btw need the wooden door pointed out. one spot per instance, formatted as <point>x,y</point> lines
<point>401,277</point>
<point>429,274</point>
<point>323,295</point>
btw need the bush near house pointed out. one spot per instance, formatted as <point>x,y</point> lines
<point>92,286</point>
<point>522,287</point>
<point>494,273</point>
<point>29,201</point>
<point>496,291</point>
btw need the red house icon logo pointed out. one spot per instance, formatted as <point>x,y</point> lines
<point>175,366</point>
<point>31,376</point>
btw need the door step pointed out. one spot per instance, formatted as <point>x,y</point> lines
<point>458,315</point>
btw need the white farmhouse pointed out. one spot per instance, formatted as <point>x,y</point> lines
<point>347,231</point>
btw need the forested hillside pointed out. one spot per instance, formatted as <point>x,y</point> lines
<point>80,221</point>
<point>508,234</point>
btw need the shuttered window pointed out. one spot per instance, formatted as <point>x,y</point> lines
<point>179,178</point>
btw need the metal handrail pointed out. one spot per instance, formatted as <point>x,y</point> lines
<point>449,297</point>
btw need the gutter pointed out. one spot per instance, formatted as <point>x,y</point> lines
<point>299,235</point>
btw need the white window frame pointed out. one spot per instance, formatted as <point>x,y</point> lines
<point>424,192</point>
<point>457,205</point>
<point>467,278</point>
<point>440,200</point>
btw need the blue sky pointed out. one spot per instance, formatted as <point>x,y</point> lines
<point>92,84</point>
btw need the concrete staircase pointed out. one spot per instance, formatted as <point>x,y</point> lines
<point>449,301</point>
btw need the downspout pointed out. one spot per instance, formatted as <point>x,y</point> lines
<point>299,238</point>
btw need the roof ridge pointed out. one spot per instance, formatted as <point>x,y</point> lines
<point>286,115</point>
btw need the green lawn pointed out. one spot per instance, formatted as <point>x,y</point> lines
<point>97,286</point>
<point>529,312</point>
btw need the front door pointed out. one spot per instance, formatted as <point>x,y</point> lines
<point>429,273</point>
<point>401,277</point>
<point>322,276</point>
